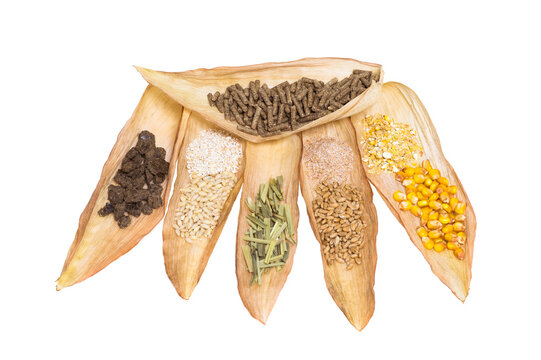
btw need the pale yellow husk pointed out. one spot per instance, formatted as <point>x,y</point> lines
<point>190,88</point>
<point>264,161</point>
<point>184,261</point>
<point>403,105</point>
<point>99,241</point>
<point>352,290</point>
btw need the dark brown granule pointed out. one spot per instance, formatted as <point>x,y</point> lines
<point>142,171</point>
<point>258,109</point>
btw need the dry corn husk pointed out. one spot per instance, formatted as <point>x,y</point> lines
<point>352,290</point>
<point>184,261</point>
<point>190,88</point>
<point>264,161</point>
<point>99,241</point>
<point>403,105</point>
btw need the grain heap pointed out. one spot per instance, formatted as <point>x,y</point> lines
<point>264,111</point>
<point>388,146</point>
<point>270,230</point>
<point>138,191</point>
<point>430,197</point>
<point>337,205</point>
<point>213,160</point>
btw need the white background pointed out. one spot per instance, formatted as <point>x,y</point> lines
<point>67,87</point>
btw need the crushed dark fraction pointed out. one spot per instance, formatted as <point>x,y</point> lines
<point>138,191</point>
<point>259,110</point>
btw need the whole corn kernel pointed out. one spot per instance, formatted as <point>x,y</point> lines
<point>427,243</point>
<point>453,202</point>
<point>452,245</point>
<point>461,237</point>
<point>409,171</point>
<point>450,236</point>
<point>436,205</point>
<point>452,189</point>
<point>434,234</point>
<point>410,189</point>
<point>426,210</point>
<point>443,180</point>
<point>400,176</point>
<point>434,224</point>
<point>459,253</point>
<point>399,196</point>
<point>405,205</point>
<point>460,217</point>
<point>446,207</point>
<point>428,181</point>
<point>458,226</point>
<point>439,247</point>
<point>441,189</point>
<point>420,170</point>
<point>460,208</point>
<point>434,174</point>
<point>433,186</point>
<point>419,178</point>
<point>416,210</point>
<point>422,203</point>
<point>427,165</point>
<point>444,219</point>
<point>412,197</point>
<point>408,181</point>
<point>433,215</point>
<point>444,197</point>
<point>447,229</point>
<point>433,197</point>
<point>422,231</point>
<point>427,192</point>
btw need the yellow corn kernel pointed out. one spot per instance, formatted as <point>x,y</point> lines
<point>452,189</point>
<point>422,231</point>
<point>453,203</point>
<point>427,165</point>
<point>443,180</point>
<point>426,210</point>
<point>458,226</point>
<point>426,192</point>
<point>441,189</point>
<point>419,178</point>
<point>460,208</point>
<point>461,237</point>
<point>452,245</point>
<point>409,171</point>
<point>444,197</point>
<point>420,171</point>
<point>438,240</point>
<point>436,205</point>
<point>422,203</point>
<point>450,236</point>
<point>405,205</point>
<point>420,196</point>
<point>459,253</point>
<point>433,186</point>
<point>460,217</point>
<point>433,197</point>
<point>428,181</point>
<point>433,215</point>
<point>427,243</point>
<point>446,207</point>
<point>415,210</point>
<point>447,229</point>
<point>400,176</point>
<point>399,196</point>
<point>434,174</point>
<point>424,220</point>
<point>434,224</point>
<point>411,188</point>
<point>408,182</point>
<point>420,187</point>
<point>434,234</point>
<point>412,197</point>
<point>439,247</point>
<point>444,218</point>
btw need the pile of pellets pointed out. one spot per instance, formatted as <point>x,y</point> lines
<point>260,110</point>
<point>138,191</point>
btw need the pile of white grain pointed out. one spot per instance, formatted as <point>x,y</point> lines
<point>213,160</point>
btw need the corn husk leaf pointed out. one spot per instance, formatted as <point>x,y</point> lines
<point>184,261</point>
<point>190,88</point>
<point>403,105</point>
<point>99,241</point>
<point>264,161</point>
<point>352,290</point>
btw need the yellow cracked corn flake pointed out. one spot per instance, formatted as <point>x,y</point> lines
<point>389,145</point>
